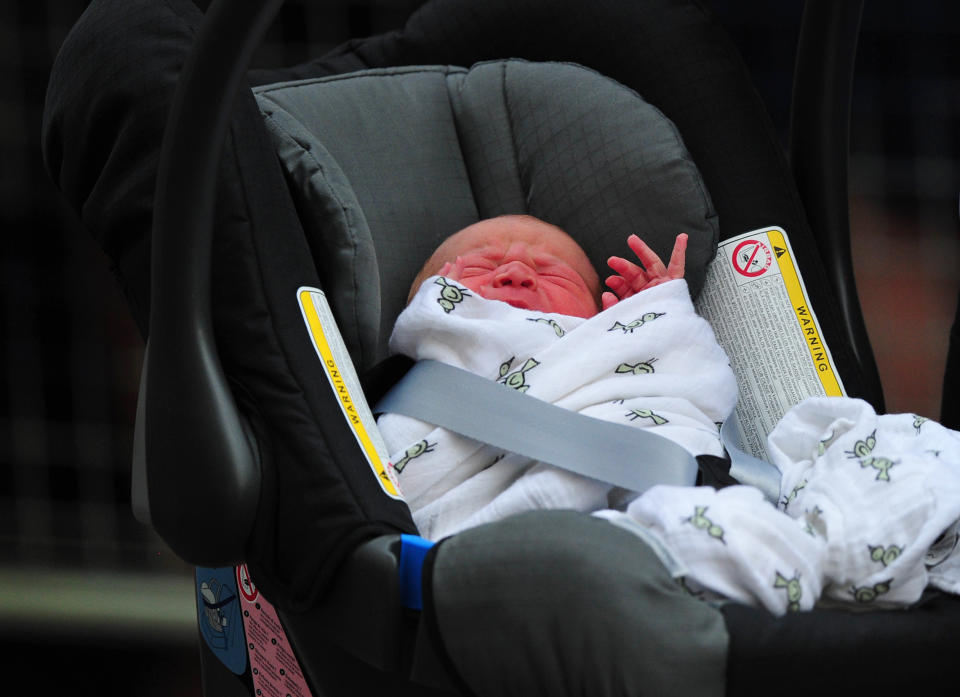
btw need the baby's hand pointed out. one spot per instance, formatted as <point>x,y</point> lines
<point>631,278</point>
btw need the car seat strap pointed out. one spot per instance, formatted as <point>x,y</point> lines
<point>746,468</point>
<point>484,410</point>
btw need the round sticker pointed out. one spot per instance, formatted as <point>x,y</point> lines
<point>751,258</point>
<point>247,589</point>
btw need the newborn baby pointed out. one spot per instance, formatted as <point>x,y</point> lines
<point>516,299</point>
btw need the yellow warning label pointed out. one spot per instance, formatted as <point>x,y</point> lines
<point>344,383</point>
<point>755,300</point>
<point>808,325</point>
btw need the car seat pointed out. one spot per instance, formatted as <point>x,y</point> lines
<point>281,494</point>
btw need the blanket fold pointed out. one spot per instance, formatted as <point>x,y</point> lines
<point>868,515</point>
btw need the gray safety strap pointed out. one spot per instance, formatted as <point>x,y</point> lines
<point>484,410</point>
<point>746,468</point>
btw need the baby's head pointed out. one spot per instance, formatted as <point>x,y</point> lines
<point>520,260</point>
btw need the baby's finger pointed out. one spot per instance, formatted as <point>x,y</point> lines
<point>608,300</point>
<point>632,274</point>
<point>616,284</point>
<point>651,262</point>
<point>678,258</point>
<point>455,270</point>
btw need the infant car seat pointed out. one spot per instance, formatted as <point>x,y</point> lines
<point>249,459</point>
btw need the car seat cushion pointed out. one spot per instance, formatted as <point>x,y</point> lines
<point>384,164</point>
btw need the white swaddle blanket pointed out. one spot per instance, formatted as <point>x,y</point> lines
<point>869,506</point>
<point>649,361</point>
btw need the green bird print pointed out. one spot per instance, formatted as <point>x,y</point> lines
<point>637,323</point>
<point>635,414</point>
<point>451,295</point>
<point>793,588</point>
<point>868,594</point>
<point>884,555</point>
<point>642,368</point>
<point>552,323</point>
<point>881,464</point>
<point>793,494</point>
<point>863,448</point>
<point>700,521</point>
<point>516,380</point>
<point>414,451</point>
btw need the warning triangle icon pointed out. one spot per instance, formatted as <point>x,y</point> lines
<point>779,251</point>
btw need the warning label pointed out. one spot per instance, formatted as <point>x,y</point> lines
<point>755,300</point>
<point>274,669</point>
<point>333,353</point>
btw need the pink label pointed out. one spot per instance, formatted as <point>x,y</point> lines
<point>276,671</point>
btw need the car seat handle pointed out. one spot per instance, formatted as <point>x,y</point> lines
<point>200,467</point>
<point>819,144</point>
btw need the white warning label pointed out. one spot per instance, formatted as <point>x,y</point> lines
<point>755,300</point>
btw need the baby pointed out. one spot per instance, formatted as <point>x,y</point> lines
<point>516,299</point>
<point>531,264</point>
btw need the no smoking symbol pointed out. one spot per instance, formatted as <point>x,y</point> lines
<point>247,588</point>
<point>751,258</point>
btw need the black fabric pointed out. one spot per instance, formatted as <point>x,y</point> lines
<point>714,471</point>
<point>384,375</point>
<point>443,669</point>
<point>844,652</point>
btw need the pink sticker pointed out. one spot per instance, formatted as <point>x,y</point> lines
<point>276,671</point>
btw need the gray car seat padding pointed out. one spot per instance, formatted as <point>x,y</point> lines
<point>444,147</point>
<point>591,605</point>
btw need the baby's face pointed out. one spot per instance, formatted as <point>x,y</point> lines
<point>522,261</point>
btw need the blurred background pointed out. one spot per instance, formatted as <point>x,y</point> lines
<point>90,595</point>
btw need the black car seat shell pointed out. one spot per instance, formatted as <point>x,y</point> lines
<point>102,133</point>
<point>102,138</point>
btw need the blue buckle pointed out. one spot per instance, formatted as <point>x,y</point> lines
<point>413,550</point>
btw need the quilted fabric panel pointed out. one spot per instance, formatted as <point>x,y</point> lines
<point>600,162</point>
<point>386,139</point>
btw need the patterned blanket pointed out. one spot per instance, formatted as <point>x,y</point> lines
<point>649,361</point>
<point>869,507</point>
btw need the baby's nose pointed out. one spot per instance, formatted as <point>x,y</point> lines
<point>516,273</point>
